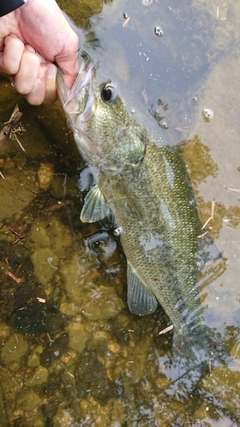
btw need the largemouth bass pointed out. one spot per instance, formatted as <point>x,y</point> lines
<point>144,182</point>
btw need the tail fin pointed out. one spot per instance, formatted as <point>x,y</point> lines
<point>193,357</point>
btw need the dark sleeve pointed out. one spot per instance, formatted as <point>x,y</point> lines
<point>7,6</point>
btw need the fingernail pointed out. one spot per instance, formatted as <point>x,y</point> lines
<point>30,48</point>
<point>51,71</point>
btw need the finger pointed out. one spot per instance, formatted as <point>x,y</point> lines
<point>44,90</point>
<point>51,89</point>
<point>11,56</point>
<point>68,59</point>
<point>37,94</point>
<point>24,80</point>
<point>69,67</point>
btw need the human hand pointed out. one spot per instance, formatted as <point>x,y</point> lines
<point>31,38</point>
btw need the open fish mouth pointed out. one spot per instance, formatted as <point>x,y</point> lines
<point>77,99</point>
<point>79,104</point>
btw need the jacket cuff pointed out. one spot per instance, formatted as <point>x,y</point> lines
<point>7,6</point>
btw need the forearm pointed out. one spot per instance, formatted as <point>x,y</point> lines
<point>7,6</point>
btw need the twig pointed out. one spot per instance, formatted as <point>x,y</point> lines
<point>235,190</point>
<point>126,22</point>
<point>164,331</point>
<point>211,216</point>
<point>13,277</point>
<point>12,126</point>
<point>19,239</point>
<point>206,223</point>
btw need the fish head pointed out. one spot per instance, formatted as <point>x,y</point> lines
<point>105,132</point>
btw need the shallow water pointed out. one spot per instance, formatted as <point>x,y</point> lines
<point>72,354</point>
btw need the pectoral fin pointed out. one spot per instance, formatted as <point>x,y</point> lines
<point>141,301</point>
<point>95,206</point>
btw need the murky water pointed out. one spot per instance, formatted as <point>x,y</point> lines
<point>72,354</point>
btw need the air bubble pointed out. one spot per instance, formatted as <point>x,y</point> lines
<point>158,31</point>
<point>208,114</point>
<point>118,231</point>
<point>164,125</point>
<point>146,2</point>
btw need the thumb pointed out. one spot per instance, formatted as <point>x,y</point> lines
<point>69,66</point>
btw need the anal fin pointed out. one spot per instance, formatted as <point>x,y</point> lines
<point>141,301</point>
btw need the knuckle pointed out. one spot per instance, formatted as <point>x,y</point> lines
<point>37,95</point>
<point>8,66</point>
<point>22,86</point>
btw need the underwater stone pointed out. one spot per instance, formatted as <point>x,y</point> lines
<point>45,174</point>
<point>102,303</point>
<point>76,273</point>
<point>39,376</point>
<point>92,379</point>
<point>33,360</point>
<point>63,417</point>
<point>29,402</point>
<point>13,349</point>
<point>29,320</point>
<point>77,336</point>
<point>4,331</point>
<point>69,309</point>
<point>55,349</point>
<point>44,269</point>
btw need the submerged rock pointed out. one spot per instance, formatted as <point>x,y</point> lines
<point>77,336</point>
<point>13,349</point>
<point>29,403</point>
<point>55,349</point>
<point>45,174</point>
<point>92,379</point>
<point>63,417</point>
<point>45,264</point>
<point>102,302</point>
<point>36,318</point>
<point>38,377</point>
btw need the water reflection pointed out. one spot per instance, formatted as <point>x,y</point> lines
<point>195,153</point>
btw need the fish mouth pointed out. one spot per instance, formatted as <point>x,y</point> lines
<point>79,104</point>
<point>78,98</point>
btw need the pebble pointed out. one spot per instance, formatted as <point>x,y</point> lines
<point>33,360</point>
<point>4,331</point>
<point>13,349</point>
<point>43,269</point>
<point>39,376</point>
<point>103,303</point>
<point>45,174</point>
<point>77,336</point>
<point>63,417</point>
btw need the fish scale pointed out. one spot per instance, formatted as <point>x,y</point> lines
<point>168,266</point>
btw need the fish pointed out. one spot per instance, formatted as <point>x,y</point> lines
<point>142,180</point>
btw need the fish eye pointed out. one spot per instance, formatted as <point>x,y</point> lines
<point>108,94</point>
